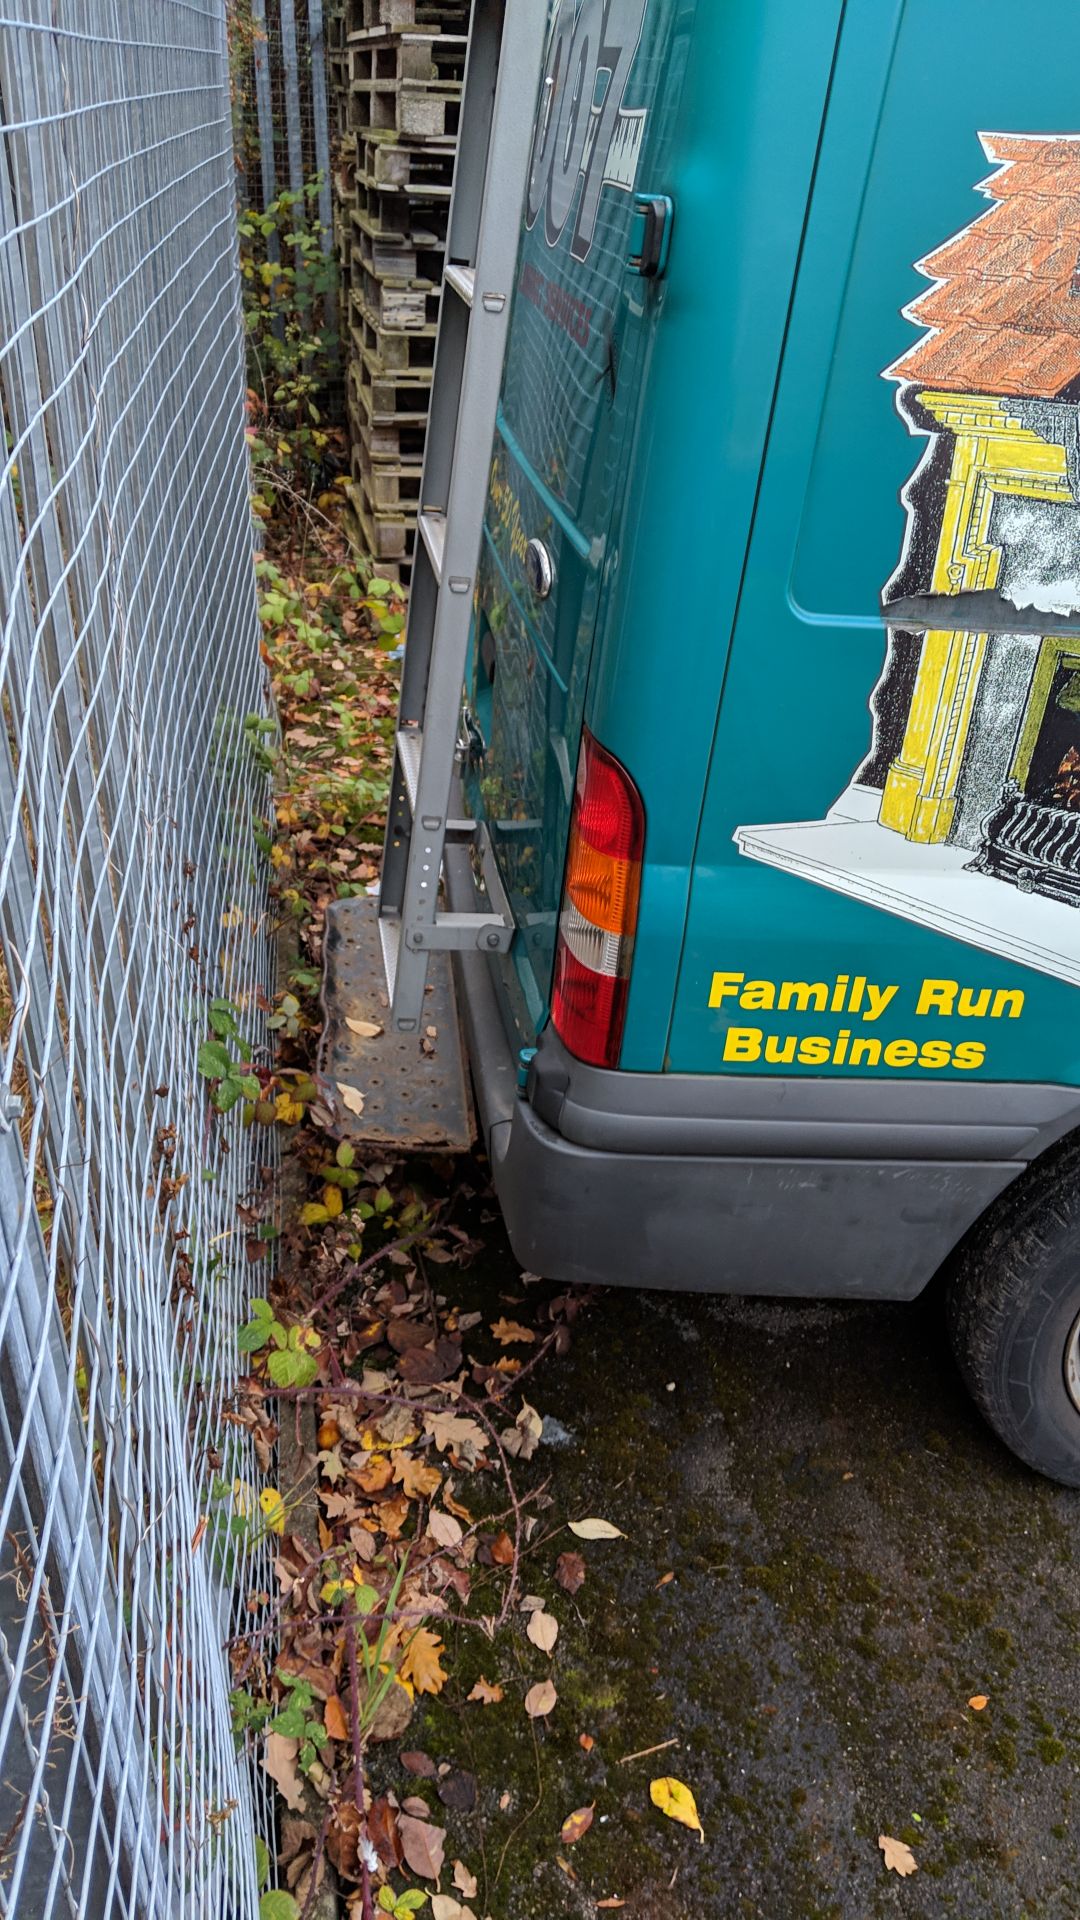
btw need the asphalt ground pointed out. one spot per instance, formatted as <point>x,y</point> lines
<point>853,1558</point>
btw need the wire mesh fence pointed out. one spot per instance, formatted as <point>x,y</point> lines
<point>132,921</point>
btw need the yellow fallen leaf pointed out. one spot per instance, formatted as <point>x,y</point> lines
<point>978,1701</point>
<point>273,1507</point>
<point>898,1856</point>
<point>420,1663</point>
<point>511,1332</point>
<point>677,1801</point>
<point>596,1530</point>
<point>289,1111</point>
<point>332,1200</point>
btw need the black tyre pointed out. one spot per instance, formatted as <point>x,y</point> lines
<point>1014,1316</point>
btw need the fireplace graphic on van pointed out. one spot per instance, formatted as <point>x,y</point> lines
<point>965,813</point>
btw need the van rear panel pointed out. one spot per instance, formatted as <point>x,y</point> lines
<point>576,377</point>
<point>887,875</point>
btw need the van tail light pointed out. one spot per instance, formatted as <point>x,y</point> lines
<point>599,908</point>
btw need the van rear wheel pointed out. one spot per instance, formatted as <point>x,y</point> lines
<point>1014,1316</point>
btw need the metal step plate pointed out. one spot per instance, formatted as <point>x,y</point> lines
<point>414,1088</point>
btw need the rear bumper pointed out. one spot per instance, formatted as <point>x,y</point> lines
<point>726,1184</point>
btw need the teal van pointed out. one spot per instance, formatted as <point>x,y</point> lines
<point>772,710</point>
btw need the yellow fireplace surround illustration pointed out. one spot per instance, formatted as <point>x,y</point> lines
<point>891,846</point>
<point>993,454</point>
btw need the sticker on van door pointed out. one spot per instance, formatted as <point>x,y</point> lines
<point>583,132</point>
<point>964,815</point>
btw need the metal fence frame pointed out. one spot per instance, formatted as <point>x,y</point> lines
<point>131,895</point>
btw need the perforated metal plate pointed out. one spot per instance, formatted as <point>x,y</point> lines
<point>412,1098</point>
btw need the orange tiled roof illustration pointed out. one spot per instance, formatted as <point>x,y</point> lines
<point>1005,314</point>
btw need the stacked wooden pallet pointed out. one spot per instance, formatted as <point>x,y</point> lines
<point>404,64</point>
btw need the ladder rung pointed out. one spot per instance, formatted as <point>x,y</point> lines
<point>409,745</point>
<point>433,534</point>
<point>390,939</point>
<point>463,281</point>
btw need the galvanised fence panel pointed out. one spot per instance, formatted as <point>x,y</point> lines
<point>132,915</point>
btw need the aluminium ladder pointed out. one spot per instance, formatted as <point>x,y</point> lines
<point>495,141</point>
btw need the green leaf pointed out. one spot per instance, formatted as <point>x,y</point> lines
<point>381,589</point>
<point>253,1337</point>
<point>364,1599</point>
<point>262,1860</point>
<point>227,1095</point>
<point>214,1060</point>
<point>411,1901</point>
<point>278,1905</point>
<point>387,1899</point>
<point>290,1722</point>
<point>345,1155</point>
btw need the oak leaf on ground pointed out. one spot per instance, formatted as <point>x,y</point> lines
<point>464,1881</point>
<point>898,1855</point>
<point>417,1478</point>
<point>486,1692</point>
<point>420,1662</point>
<point>511,1333</point>
<point>455,1433</point>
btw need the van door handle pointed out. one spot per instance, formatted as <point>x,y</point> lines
<point>650,234</point>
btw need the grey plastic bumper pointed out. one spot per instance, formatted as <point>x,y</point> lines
<point>726,1184</point>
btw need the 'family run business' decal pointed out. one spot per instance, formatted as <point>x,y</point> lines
<point>860,1002</point>
<point>582,131</point>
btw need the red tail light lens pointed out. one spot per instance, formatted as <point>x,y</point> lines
<point>600,908</point>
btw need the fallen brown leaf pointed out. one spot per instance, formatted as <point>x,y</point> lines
<point>487,1694</point>
<point>420,1664</point>
<point>898,1856</point>
<point>510,1333</point>
<point>978,1701</point>
<point>418,1480</point>
<point>334,1718</point>
<point>570,1571</point>
<point>575,1825</point>
<point>540,1700</point>
<point>444,1529</point>
<point>423,1845</point>
<point>586,1742</point>
<point>365,1029</point>
<point>502,1550</point>
<point>420,1764</point>
<point>596,1530</point>
<point>543,1631</point>
<point>464,1881</point>
<point>377,1474</point>
<point>279,1761</point>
